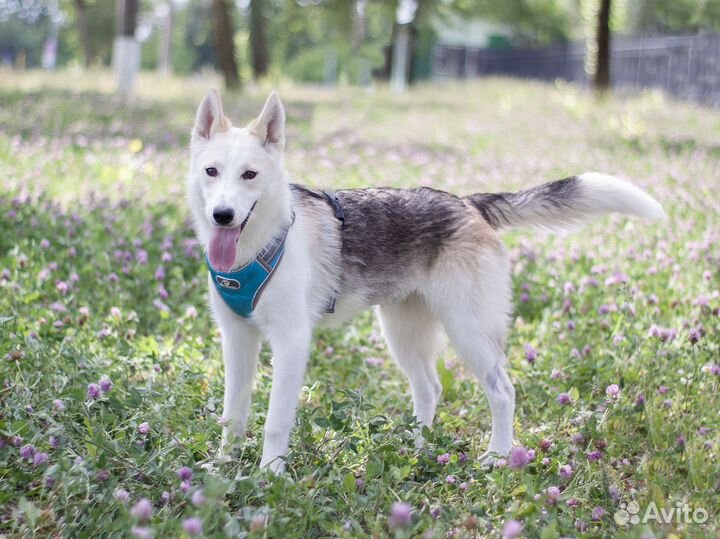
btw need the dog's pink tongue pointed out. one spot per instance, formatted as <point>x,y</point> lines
<point>223,247</point>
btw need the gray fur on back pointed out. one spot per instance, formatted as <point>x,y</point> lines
<point>389,235</point>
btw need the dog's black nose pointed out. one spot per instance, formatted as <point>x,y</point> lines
<point>223,216</point>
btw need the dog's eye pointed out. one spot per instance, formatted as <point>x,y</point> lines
<point>249,174</point>
<point>211,171</point>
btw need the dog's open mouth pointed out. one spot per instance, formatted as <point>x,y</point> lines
<point>222,249</point>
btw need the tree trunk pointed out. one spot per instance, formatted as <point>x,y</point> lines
<point>258,39</point>
<point>359,31</point>
<point>602,70</point>
<point>126,49</point>
<point>225,46</point>
<point>401,58</point>
<point>82,30</point>
<point>165,56</point>
<point>129,18</point>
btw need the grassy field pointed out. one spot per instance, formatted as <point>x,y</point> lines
<point>111,370</point>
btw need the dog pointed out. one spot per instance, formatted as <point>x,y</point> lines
<point>284,258</point>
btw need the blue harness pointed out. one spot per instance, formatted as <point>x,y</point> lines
<point>240,289</point>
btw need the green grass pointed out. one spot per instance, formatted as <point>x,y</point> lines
<point>92,205</point>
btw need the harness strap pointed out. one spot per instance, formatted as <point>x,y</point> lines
<point>334,202</point>
<point>336,206</point>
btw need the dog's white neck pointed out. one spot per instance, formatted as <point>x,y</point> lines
<point>268,218</point>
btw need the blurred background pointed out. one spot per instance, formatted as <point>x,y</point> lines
<point>672,45</point>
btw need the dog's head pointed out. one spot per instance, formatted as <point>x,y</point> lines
<point>237,177</point>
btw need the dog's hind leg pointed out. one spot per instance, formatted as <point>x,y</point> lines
<point>414,336</point>
<point>474,307</point>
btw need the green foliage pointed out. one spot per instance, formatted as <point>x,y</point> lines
<point>668,16</point>
<point>18,35</point>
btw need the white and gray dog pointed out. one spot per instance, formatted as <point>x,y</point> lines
<point>283,259</point>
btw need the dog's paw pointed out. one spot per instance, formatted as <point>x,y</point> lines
<point>222,457</point>
<point>230,441</point>
<point>489,459</point>
<point>276,465</point>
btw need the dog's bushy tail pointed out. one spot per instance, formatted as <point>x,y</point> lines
<point>566,204</point>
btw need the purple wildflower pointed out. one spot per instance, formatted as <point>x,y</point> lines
<point>443,459</point>
<point>40,459</point>
<point>144,428</point>
<point>564,399</point>
<point>102,475</point>
<point>185,473</point>
<point>400,515</point>
<point>27,452</point>
<point>141,532</point>
<point>192,525</point>
<point>105,383</point>
<point>530,353</point>
<point>142,510</point>
<point>694,335</point>
<point>93,391</point>
<point>613,391</point>
<point>518,458</point>
<point>198,498</point>
<point>565,471</point>
<point>598,513</point>
<point>511,529</point>
<point>121,495</point>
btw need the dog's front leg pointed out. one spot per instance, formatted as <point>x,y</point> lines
<point>291,347</point>
<point>240,346</point>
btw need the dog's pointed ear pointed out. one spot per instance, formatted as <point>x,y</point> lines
<point>210,118</point>
<point>269,127</point>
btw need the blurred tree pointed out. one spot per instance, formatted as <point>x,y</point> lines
<point>601,79</point>
<point>672,16</point>
<point>165,44</point>
<point>82,30</point>
<point>93,22</point>
<point>193,37</point>
<point>126,48</point>
<point>534,21</point>
<point>258,39</point>
<point>225,45</point>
